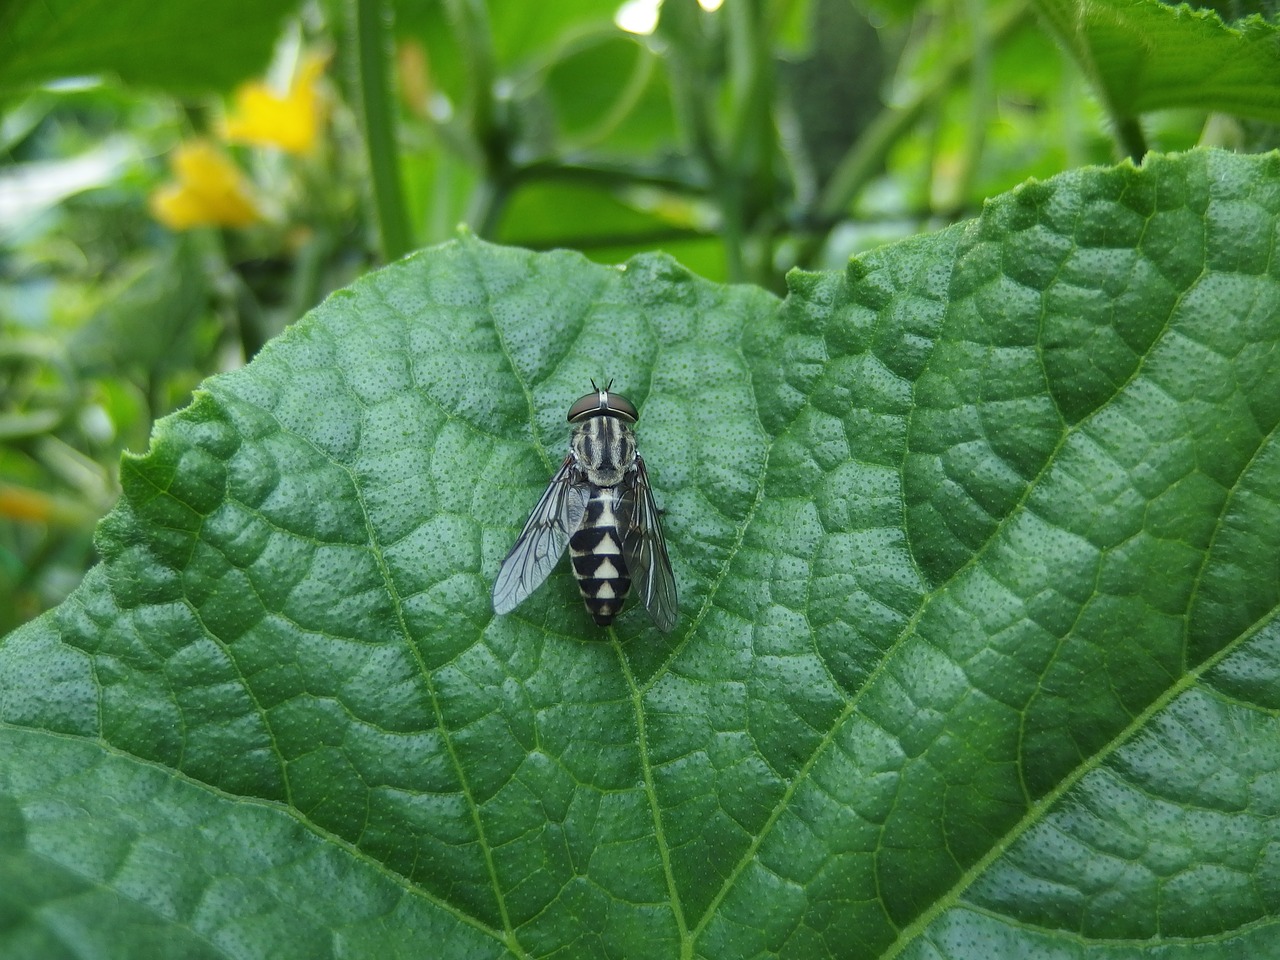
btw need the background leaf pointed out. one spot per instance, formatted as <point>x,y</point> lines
<point>1146,55</point>
<point>179,47</point>
<point>977,545</point>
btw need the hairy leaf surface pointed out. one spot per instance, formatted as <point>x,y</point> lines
<point>978,545</point>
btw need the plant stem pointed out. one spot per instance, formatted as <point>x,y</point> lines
<point>751,139</point>
<point>1130,137</point>
<point>867,156</point>
<point>370,28</point>
<point>484,121</point>
<point>484,211</point>
<point>475,42</point>
<point>608,173</point>
<point>981,96</point>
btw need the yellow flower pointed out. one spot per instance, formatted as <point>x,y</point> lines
<point>19,503</point>
<point>292,122</point>
<point>210,191</point>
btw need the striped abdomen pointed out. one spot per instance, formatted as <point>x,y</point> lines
<point>596,549</point>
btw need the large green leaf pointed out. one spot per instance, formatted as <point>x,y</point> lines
<point>979,551</point>
<point>180,47</point>
<point>1148,55</point>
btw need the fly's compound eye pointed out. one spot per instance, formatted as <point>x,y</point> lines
<point>602,403</point>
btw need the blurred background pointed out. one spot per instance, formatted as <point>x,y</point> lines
<point>180,181</point>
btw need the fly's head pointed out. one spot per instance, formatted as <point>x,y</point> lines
<point>601,437</point>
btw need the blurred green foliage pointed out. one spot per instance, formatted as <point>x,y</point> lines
<point>744,141</point>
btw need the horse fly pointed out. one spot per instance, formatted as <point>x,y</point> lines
<point>600,505</point>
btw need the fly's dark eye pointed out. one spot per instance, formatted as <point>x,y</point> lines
<point>620,405</point>
<point>584,407</point>
<point>603,403</point>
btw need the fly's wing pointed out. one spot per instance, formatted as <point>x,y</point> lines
<point>645,549</point>
<point>544,537</point>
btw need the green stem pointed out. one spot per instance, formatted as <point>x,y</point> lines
<point>485,124</point>
<point>981,94</point>
<point>371,30</point>
<point>1130,137</point>
<point>1127,130</point>
<point>694,96</point>
<point>252,324</point>
<point>731,229</point>
<point>475,43</point>
<point>485,209</point>
<point>866,157</point>
<point>608,173</point>
<point>637,239</point>
<point>752,137</point>
<point>306,288</point>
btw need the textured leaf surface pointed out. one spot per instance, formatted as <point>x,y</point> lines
<point>1147,55</point>
<point>977,547</point>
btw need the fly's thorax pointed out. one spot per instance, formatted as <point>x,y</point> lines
<point>605,448</point>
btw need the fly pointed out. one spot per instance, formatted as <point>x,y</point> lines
<point>599,505</point>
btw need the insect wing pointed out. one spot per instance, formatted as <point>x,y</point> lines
<point>544,537</point>
<point>645,549</point>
